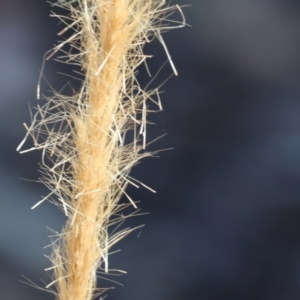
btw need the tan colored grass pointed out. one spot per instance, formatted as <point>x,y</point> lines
<point>86,157</point>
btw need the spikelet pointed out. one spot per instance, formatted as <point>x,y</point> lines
<point>86,154</point>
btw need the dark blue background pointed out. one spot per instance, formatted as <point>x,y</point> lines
<point>225,222</point>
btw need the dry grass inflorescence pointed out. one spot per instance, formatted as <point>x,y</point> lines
<point>86,155</point>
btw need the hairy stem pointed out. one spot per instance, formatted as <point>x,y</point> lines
<point>86,156</point>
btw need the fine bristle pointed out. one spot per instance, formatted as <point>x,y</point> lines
<point>86,159</point>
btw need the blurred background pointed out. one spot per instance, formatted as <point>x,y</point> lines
<point>225,222</point>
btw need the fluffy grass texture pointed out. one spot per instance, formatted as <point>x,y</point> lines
<point>86,154</point>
